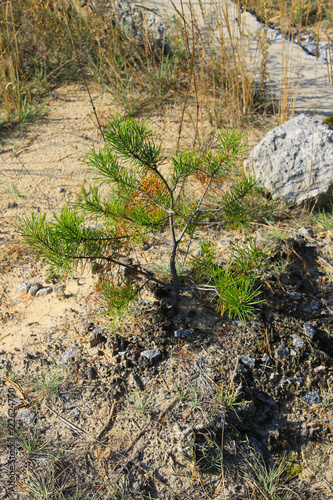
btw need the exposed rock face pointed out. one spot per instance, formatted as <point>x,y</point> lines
<point>294,161</point>
<point>137,21</point>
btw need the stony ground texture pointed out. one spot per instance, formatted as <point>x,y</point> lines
<point>165,406</point>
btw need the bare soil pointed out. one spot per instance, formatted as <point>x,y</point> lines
<point>190,423</point>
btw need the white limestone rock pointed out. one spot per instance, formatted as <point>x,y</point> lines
<point>132,17</point>
<point>294,161</point>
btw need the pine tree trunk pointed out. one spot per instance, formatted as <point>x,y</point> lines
<point>175,279</point>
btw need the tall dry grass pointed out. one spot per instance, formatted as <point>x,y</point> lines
<point>204,65</point>
<point>291,13</point>
<point>36,52</point>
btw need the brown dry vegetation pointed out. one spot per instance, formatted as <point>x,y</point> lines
<point>42,47</point>
<point>311,15</point>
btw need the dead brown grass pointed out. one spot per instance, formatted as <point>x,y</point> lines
<point>41,46</point>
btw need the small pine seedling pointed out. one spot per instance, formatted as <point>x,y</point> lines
<point>135,197</point>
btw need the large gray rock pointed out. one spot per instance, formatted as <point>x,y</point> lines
<point>294,161</point>
<point>137,21</point>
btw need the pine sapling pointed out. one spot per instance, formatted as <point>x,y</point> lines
<point>140,193</point>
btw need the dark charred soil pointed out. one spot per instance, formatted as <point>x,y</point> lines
<point>184,405</point>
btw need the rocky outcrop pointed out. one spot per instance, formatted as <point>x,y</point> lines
<point>294,161</point>
<point>139,22</point>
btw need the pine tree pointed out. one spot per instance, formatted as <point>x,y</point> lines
<point>145,197</point>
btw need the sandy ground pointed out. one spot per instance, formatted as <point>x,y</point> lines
<point>39,161</point>
<point>41,168</point>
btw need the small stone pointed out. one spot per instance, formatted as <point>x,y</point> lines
<point>298,380</point>
<point>61,189</point>
<point>320,368</point>
<point>274,377</point>
<point>247,361</point>
<point>151,353</point>
<point>42,292</point>
<point>75,413</point>
<point>304,231</point>
<point>293,352</point>
<point>182,334</point>
<point>312,398</point>
<point>238,323</point>
<point>309,330</point>
<point>23,287</point>
<point>241,368</point>
<point>122,354</point>
<point>59,290</point>
<point>283,351</point>
<point>295,296</point>
<point>25,416</point>
<point>97,336</point>
<point>266,359</point>
<point>314,306</point>
<point>69,405</point>
<point>91,373</point>
<point>298,343</point>
<point>34,288</point>
<point>70,353</point>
